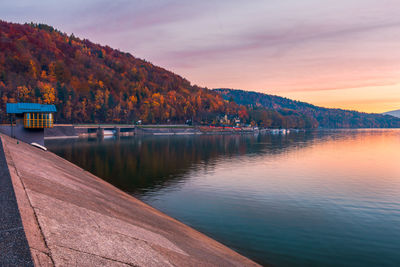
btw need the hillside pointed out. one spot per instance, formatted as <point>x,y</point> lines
<point>394,113</point>
<point>93,83</point>
<point>325,117</point>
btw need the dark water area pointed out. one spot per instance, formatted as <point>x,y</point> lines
<point>321,198</point>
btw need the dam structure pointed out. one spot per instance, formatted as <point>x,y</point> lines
<point>28,121</point>
<point>57,214</point>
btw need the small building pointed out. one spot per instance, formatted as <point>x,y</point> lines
<point>28,121</point>
<point>34,115</point>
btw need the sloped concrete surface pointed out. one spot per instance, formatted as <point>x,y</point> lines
<point>14,249</point>
<point>72,217</point>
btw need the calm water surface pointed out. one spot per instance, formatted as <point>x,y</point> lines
<point>324,198</point>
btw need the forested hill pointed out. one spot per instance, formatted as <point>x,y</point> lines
<point>93,83</point>
<point>326,117</point>
<point>97,84</point>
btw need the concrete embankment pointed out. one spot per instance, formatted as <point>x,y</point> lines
<point>71,217</point>
<point>167,130</point>
<point>61,131</point>
<point>14,249</point>
<point>94,130</point>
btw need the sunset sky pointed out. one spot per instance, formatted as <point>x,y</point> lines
<point>331,53</point>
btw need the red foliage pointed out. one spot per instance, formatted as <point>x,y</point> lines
<point>93,83</point>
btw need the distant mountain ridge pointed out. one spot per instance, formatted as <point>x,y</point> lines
<point>394,113</point>
<point>326,117</point>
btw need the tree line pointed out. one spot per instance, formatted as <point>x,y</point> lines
<point>91,83</point>
<point>310,115</point>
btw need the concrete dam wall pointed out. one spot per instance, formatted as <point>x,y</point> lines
<point>71,217</point>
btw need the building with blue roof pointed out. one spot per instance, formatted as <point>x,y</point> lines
<point>34,115</point>
<point>20,108</point>
<point>28,121</point>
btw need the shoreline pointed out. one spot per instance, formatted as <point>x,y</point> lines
<point>71,216</point>
<point>101,130</point>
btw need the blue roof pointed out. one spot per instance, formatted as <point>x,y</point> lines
<point>19,108</point>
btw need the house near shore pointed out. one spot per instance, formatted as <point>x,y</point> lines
<point>28,121</point>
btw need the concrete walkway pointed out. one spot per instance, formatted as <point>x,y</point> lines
<point>14,249</point>
<point>72,217</point>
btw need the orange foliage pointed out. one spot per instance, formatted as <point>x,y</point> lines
<point>93,83</point>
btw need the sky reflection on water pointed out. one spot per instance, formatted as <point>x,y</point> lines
<point>316,198</point>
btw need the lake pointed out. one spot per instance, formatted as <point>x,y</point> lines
<point>318,198</point>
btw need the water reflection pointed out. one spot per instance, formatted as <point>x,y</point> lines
<point>322,198</point>
<point>146,163</point>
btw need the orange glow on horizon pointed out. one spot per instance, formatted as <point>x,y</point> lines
<point>364,99</point>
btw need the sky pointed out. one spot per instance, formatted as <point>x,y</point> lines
<point>332,53</point>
